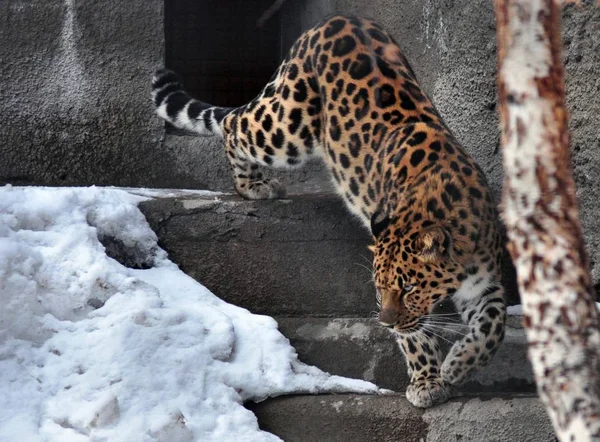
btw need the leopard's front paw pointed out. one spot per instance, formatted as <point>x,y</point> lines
<point>459,364</point>
<point>428,392</point>
<point>454,371</point>
<point>267,189</point>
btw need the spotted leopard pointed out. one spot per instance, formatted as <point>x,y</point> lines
<point>346,93</point>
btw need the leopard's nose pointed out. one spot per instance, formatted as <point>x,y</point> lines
<point>388,317</point>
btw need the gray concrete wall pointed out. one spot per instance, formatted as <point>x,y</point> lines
<point>75,93</point>
<point>75,82</point>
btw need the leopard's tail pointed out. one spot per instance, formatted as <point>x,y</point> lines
<point>176,106</point>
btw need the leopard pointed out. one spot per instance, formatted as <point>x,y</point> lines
<point>347,95</point>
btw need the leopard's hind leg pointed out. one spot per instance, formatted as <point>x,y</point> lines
<point>248,178</point>
<point>250,147</point>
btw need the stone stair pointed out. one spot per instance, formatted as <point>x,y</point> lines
<point>304,261</point>
<point>344,418</point>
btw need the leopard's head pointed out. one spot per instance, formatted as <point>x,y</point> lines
<point>414,270</point>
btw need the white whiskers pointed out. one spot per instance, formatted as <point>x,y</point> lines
<point>441,329</point>
<point>436,335</point>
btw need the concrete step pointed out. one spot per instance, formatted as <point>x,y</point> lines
<point>359,348</point>
<point>355,418</point>
<point>295,257</point>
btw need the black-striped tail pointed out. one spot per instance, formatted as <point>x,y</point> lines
<point>175,105</point>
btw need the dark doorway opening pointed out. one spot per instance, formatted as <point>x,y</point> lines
<point>224,57</point>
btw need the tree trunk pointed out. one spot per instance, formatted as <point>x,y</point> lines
<point>539,208</point>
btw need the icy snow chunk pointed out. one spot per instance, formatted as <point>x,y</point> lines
<point>98,413</point>
<point>123,232</point>
<point>175,430</point>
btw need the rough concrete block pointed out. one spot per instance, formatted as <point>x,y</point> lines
<point>581,38</point>
<point>287,257</point>
<point>360,348</point>
<point>301,256</point>
<point>353,418</point>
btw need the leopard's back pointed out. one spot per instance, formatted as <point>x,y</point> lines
<point>343,89</point>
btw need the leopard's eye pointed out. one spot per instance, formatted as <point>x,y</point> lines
<point>408,287</point>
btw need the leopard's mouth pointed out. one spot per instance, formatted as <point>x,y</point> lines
<point>404,329</point>
<point>407,329</point>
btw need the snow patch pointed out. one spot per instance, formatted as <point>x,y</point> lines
<point>517,310</point>
<point>161,359</point>
<point>514,310</point>
<point>337,405</point>
<point>334,330</point>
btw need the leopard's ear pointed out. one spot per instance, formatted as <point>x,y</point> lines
<point>379,222</point>
<point>433,244</point>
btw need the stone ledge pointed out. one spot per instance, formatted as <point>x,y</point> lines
<point>359,348</point>
<point>350,418</point>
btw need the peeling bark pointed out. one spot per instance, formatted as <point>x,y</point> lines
<point>540,210</point>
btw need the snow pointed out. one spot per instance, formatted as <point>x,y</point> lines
<point>93,351</point>
<point>514,310</point>
<point>517,310</point>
